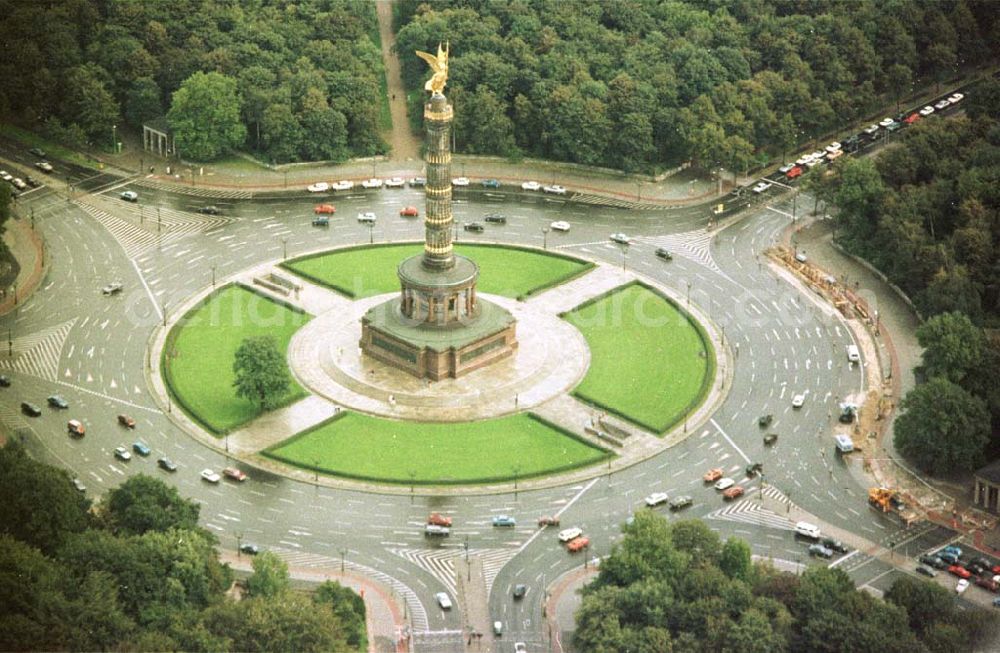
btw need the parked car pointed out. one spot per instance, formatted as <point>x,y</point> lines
<point>121,453</point>
<point>504,521</point>
<point>519,591</point>
<point>234,474</point>
<point>374,182</point>
<point>78,484</point>
<point>656,499</point>
<point>4,381</point>
<point>30,409</point>
<point>37,151</point>
<point>734,492</point>
<point>249,548</point>
<point>955,98</point>
<point>925,571</point>
<point>794,172</point>
<point>325,209</point>
<point>167,464</point>
<point>318,187</point>
<point>987,583</point>
<point>951,548</point>
<point>126,421</point>
<point>438,519</point>
<point>962,585</point>
<point>211,209</point>
<point>18,183</point>
<point>870,129</point>
<point>418,181</point>
<point>409,212</point>
<point>683,501</point>
<point>31,181</point>
<point>761,187</point>
<point>554,189</point>
<point>460,181</point>
<point>57,401</point>
<point>560,225</point>
<point>490,183</point>
<point>948,557</point>
<point>141,449</point>
<point>343,184</point>
<point>531,185</point>
<point>44,166</point>
<point>130,196</point>
<point>210,476</point>
<point>495,218</point>
<point>474,227</point>
<point>395,182</point>
<point>959,571</point>
<point>941,104</point>
<point>933,561</point>
<point>712,475</point>
<point>926,111</point>
<point>578,544</point>
<point>820,551</point>
<point>912,118</point>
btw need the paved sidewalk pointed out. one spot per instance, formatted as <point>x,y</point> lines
<point>28,249</point>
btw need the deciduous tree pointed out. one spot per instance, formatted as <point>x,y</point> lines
<point>261,372</point>
<point>205,116</point>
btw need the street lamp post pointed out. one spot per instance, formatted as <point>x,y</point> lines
<point>343,556</point>
<point>213,276</point>
<point>371,233</point>
<point>114,138</point>
<point>624,254</point>
<point>545,237</point>
<point>239,540</point>
<point>689,293</point>
<point>284,248</point>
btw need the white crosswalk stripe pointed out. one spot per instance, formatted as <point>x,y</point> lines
<point>196,191</point>
<point>38,353</point>
<point>440,563</point>
<point>146,229</point>
<point>749,511</point>
<point>600,200</point>
<point>11,419</point>
<point>692,245</point>
<point>295,558</point>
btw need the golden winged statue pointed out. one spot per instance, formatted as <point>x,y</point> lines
<point>439,65</point>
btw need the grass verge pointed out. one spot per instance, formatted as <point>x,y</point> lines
<point>369,448</point>
<point>199,353</point>
<point>371,269</point>
<point>650,362</point>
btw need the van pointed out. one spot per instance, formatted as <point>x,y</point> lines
<point>805,529</point>
<point>853,355</point>
<point>844,443</point>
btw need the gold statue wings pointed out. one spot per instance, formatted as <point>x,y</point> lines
<point>439,65</point>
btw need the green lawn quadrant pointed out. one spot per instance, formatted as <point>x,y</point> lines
<point>649,363</point>
<point>371,270</point>
<point>379,449</point>
<point>199,354</point>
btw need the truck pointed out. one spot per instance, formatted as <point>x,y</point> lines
<point>889,501</point>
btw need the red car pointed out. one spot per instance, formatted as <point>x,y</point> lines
<point>961,572</point>
<point>794,172</point>
<point>548,520</point>
<point>912,118</point>
<point>578,544</point>
<point>409,212</point>
<point>734,492</point>
<point>988,583</point>
<point>329,209</point>
<point>438,519</point>
<point>712,475</point>
<point>126,421</point>
<point>235,474</point>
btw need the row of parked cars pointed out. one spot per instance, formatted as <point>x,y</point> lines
<point>977,570</point>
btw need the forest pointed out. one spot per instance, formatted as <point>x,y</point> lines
<point>674,587</point>
<point>642,84</point>
<point>137,573</point>
<point>287,81</point>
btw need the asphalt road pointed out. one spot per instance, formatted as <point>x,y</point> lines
<point>91,349</point>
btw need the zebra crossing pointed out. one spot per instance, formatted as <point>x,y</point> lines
<point>38,354</point>
<point>145,232</point>
<point>197,191</point>
<point>751,511</point>
<point>440,563</point>
<point>294,558</point>
<point>601,200</point>
<point>12,420</point>
<point>692,245</point>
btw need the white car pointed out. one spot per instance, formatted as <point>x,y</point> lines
<point>555,189</point>
<point>941,104</point>
<point>621,239</point>
<point>18,183</point>
<point>130,196</point>
<point>121,453</point>
<point>6,176</point>
<point>963,585</point>
<point>559,225</point>
<point>833,147</point>
<point>520,647</point>
<point>804,159</point>
<point>724,483</point>
<point>926,111</point>
<point>210,476</point>
<point>530,185</point>
<point>885,122</point>
<point>460,181</point>
<point>798,400</point>
<point>443,600</point>
<point>871,129</point>
<point>374,182</point>
<point>343,184</point>
<point>568,534</point>
<point>818,155</point>
<point>367,217</point>
<point>761,187</point>
<point>656,498</point>
<point>44,166</point>
<point>395,182</point>
<point>318,187</point>
<point>956,98</point>
<point>812,163</point>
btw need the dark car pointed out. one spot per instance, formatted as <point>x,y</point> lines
<point>933,561</point>
<point>835,545</point>
<point>30,409</point>
<point>926,571</point>
<point>249,548</point>
<point>520,591</point>
<point>974,569</point>
<point>770,438</point>
<point>820,551</point>
<point>982,562</point>
<point>765,420</point>
<point>496,218</point>
<point>4,381</point>
<point>210,210</point>
<point>58,402</point>
<point>321,221</point>
<point>987,583</point>
<point>664,254</point>
<point>167,464</point>
<point>683,501</point>
<point>490,183</point>
<point>474,226</point>
<point>31,181</point>
<point>948,557</point>
<point>754,468</point>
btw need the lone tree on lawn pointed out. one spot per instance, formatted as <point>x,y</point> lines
<point>261,372</point>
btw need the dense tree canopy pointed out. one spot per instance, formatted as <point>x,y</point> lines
<point>152,582</point>
<point>638,84</point>
<point>661,591</point>
<point>77,67</point>
<point>261,371</point>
